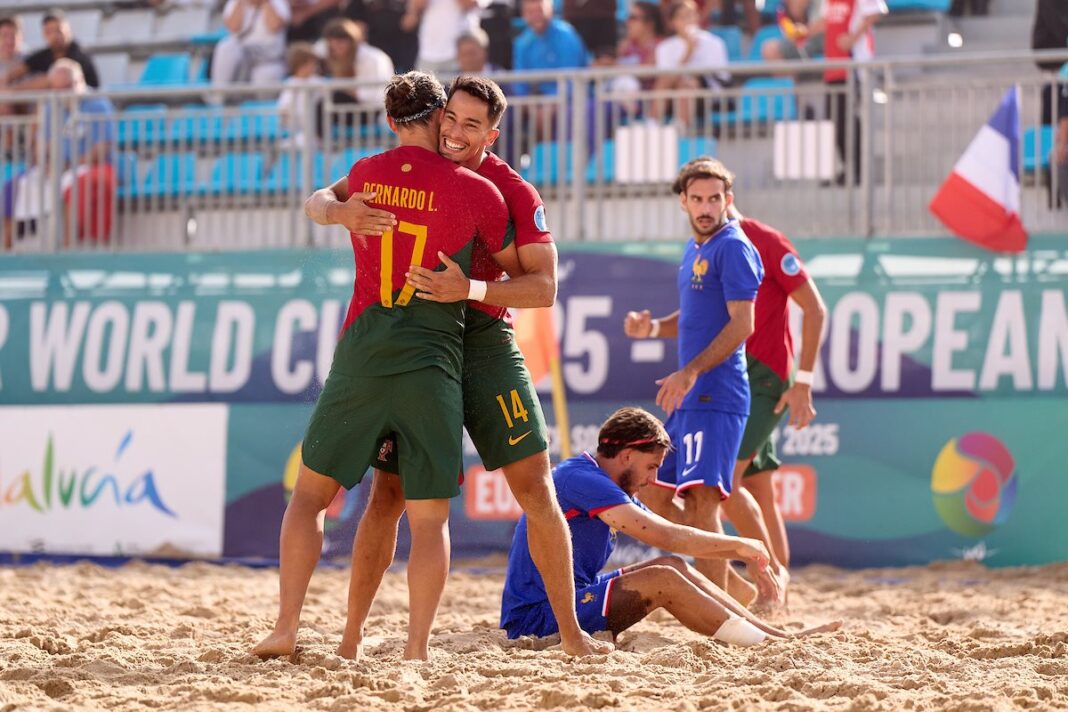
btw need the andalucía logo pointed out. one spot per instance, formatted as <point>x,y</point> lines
<point>68,488</point>
<point>974,484</point>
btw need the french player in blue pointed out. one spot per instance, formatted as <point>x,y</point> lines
<point>707,398</point>
<point>597,493</point>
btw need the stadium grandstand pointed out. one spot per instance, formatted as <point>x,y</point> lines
<point>193,161</point>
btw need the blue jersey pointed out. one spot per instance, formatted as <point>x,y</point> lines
<point>584,491</point>
<point>724,268</point>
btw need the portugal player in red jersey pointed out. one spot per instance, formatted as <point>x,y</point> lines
<point>397,368</point>
<point>502,412</point>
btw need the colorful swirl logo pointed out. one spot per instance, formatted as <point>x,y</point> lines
<point>973,484</point>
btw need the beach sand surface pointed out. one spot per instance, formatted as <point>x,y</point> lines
<point>952,636</point>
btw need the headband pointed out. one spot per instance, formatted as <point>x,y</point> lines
<point>438,103</point>
<point>628,443</point>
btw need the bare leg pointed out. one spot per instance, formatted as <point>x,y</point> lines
<point>761,487</point>
<point>372,552</point>
<point>301,544</point>
<point>549,542</point>
<point>428,568</point>
<point>661,500</point>
<point>647,587</point>
<point>745,515</point>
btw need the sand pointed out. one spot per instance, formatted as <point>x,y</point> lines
<point>949,636</point>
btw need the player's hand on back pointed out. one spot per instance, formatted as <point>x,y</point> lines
<point>355,216</point>
<point>638,325</point>
<point>449,285</point>
<point>798,398</point>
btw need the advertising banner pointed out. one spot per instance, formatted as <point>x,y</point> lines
<point>113,480</point>
<point>940,389</point>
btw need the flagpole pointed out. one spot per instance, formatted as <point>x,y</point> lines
<point>563,426</point>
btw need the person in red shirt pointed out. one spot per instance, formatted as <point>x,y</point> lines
<point>397,368</point>
<point>501,410</point>
<point>774,386</point>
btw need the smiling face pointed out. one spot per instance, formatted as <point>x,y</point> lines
<point>466,130</point>
<point>706,201</point>
<point>56,34</point>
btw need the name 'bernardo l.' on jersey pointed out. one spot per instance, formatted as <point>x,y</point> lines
<point>439,206</point>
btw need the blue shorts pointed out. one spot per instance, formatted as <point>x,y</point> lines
<point>591,607</point>
<point>705,449</point>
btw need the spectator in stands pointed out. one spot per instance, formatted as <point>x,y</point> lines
<point>10,57</point>
<point>1060,146</point>
<point>728,14</point>
<point>303,65</point>
<point>32,73</point>
<point>472,53</point>
<point>802,35</point>
<point>440,23</point>
<point>594,20</point>
<point>85,159</point>
<point>1050,31</point>
<point>380,21</point>
<point>976,7</point>
<point>689,47</point>
<point>307,18</point>
<point>348,56</point>
<point>643,32</point>
<point>847,27</point>
<point>254,51</point>
<point>547,43</point>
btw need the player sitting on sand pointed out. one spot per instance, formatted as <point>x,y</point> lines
<point>596,493</point>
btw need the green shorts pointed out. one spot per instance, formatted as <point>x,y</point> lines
<point>421,410</point>
<point>502,412</point>
<point>765,388</point>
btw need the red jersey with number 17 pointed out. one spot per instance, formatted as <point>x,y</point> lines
<point>440,207</point>
<point>527,214</point>
<point>771,342</point>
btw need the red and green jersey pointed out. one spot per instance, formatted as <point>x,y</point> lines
<point>439,206</point>
<point>527,214</point>
<point>771,342</point>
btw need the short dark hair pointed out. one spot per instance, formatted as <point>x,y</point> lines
<point>633,428</point>
<point>701,168</point>
<point>485,90</point>
<point>651,12</point>
<point>11,20</point>
<point>54,16</point>
<point>412,98</point>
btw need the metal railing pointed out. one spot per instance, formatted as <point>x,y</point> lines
<point>168,170</point>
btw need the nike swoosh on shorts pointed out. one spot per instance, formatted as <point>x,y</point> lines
<point>515,441</point>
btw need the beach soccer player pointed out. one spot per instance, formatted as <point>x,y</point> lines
<point>502,412</point>
<point>397,367</point>
<point>597,491</point>
<point>707,398</point>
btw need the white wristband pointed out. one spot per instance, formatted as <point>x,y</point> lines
<point>654,328</point>
<point>804,377</point>
<point>476,291</point>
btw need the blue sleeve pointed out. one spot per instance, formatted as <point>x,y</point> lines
<point>579,56</point>
<point>741,271</point>
<point>521,61</point>
<point>590,493</point>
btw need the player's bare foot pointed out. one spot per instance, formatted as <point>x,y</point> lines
<point>351,649</point>
<point>416,651</point>
<point>825,628</point>
<point>586,644</point>
<point>276,645</point>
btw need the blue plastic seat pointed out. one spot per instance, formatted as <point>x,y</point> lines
<point>691,147</point>
<point>285,174</point>
<point>9,170</point>
<point>171,174</point>
<point>258,121</point>
<point>342,163</point>
<point>544,168</point>
<point>606,160</point>
<point>236,173</point>
<point>765,33</point>
<point>139,124</point>
<point>768,99</point>
<point>1043,137</point>
<point>918,5</point>
<point>197,124</point>
<point>732,37</point>
<point>166,69</point>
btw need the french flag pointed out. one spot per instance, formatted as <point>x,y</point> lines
<point>980,200</point>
